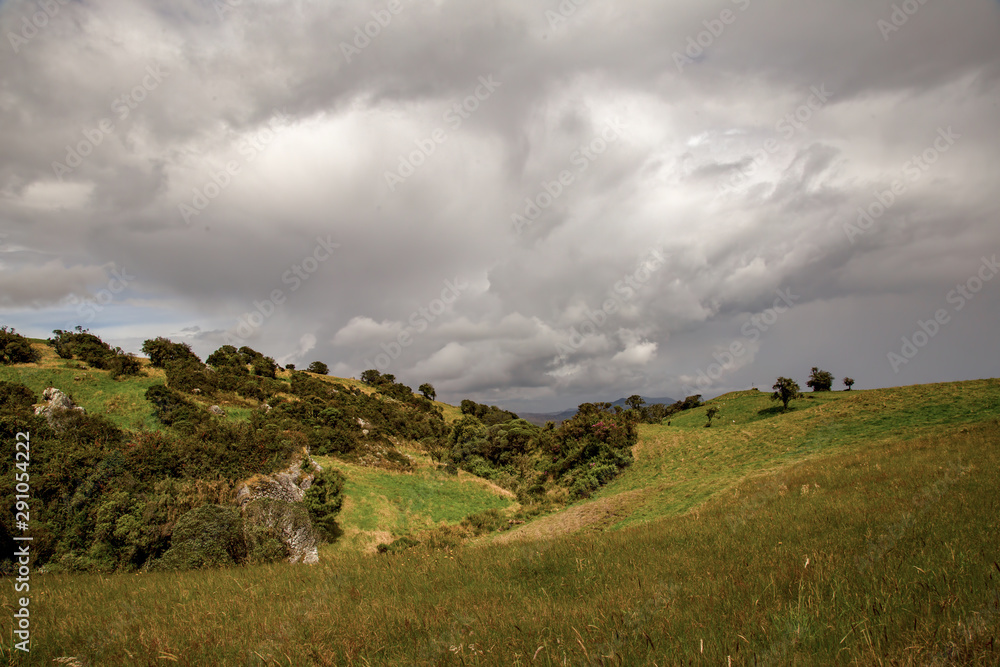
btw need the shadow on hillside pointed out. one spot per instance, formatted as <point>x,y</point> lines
<point>771,412</point>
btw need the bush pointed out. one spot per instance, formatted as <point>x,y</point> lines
<point>124,365</point>
<point>820,380</point>
<point>323,501</point>
<point>207,536</point>
<point>15,397</point>
<point>161,351</point>
<point>84,346</point>
<point>185,375</point>
<point>15,348</point>
<point>318,367</point>
<point>227,357</point>
<point>171,407</point>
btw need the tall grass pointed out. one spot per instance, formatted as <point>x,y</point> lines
<point>884,555</point>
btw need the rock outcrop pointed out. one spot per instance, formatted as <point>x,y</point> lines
<point>274,502</point>
<point>56,403</point>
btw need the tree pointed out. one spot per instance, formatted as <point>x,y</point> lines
<point>289,367</point>
<point>161,350</point>
<point>820,380</point>
<point>318,367</point>
<point>427,389</point>
<point>848,382</point>
<point>712,411</point>
<point>635,402</point>
<point>371,377</point>
<point>785,389</point>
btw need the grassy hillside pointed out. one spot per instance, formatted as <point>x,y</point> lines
<point>858,527</point>
<point>382,505</point>
<point>884,554</point>
<point>678,467</point>
<point>379,505</point>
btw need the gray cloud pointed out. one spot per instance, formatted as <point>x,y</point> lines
<point>222,145</point>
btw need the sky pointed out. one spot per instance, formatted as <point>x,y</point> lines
<point>532,205</point>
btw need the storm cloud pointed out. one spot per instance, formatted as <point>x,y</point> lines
<point>469,194</point>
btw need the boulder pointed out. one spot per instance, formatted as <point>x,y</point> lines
<point>56,402</point>
<point>273,503</point>
<point>217,411</point>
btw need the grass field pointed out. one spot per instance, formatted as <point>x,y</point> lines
<point>859,528</point>
<point>381,505</point>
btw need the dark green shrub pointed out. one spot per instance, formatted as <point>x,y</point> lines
<point>161,351</point>
<point>15,348</point>
<point>227,356</point>
<point>15,397</point>
<point>124,365</point>
<point>171,407</point>
<point>83,345</point>
<point>323,501</point>
<point>185,375</point>
<point>318,367</point>
<point>207,536</point>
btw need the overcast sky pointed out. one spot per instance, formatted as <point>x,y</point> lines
<point>530,204</point>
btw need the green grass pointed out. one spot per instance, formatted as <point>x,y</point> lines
<point>381,505</point>
<point>680,466</point>
<point>123,402</point>
<point>885,555</point>
<point>858,528</point>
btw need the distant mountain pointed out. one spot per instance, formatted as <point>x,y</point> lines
<point>539,418</point>
<point>666,400</point>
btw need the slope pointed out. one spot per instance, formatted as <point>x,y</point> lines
<point>680,466</point>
